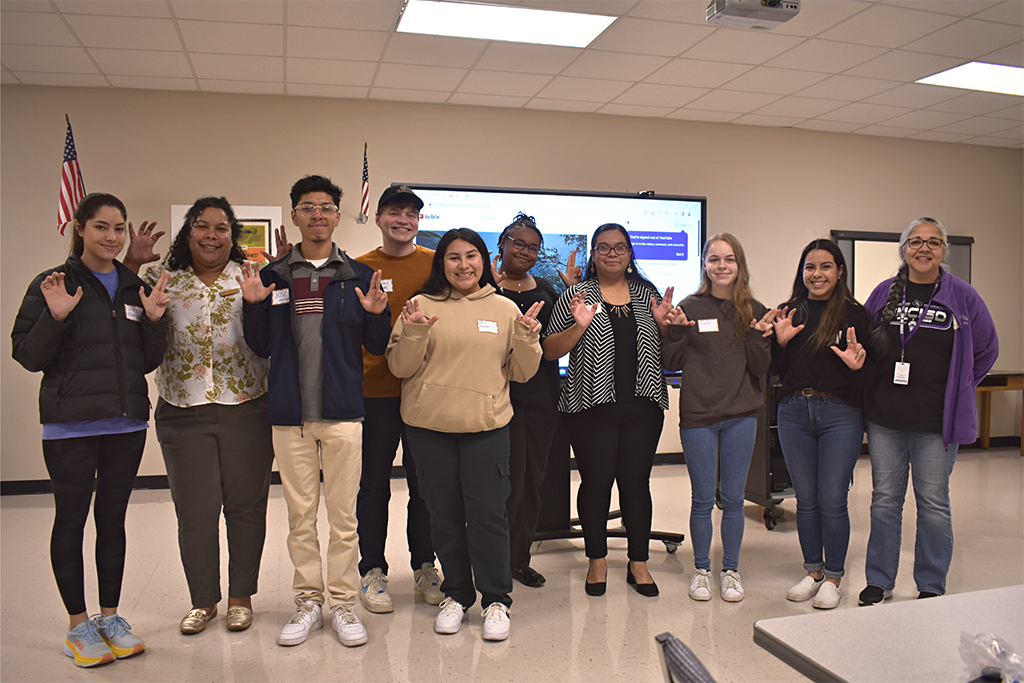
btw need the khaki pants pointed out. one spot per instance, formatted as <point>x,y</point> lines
<point>302,452</point>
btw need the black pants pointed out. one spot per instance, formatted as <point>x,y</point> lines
<point>530,433</point>
<point>615,444</point>
<point>382,429</point>
<point>110,462</point>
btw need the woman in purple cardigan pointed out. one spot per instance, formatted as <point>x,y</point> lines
<point>942,342</point>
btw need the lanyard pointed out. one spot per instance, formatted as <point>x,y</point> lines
<point>904,338</point>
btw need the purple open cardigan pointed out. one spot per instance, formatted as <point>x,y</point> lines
<point>975,347</point>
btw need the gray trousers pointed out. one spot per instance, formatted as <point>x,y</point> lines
<point>218,457</point>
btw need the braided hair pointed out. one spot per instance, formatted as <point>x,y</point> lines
<point>520,221</point>
<point>899,283</point>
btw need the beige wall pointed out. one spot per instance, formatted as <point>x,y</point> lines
<point>776,189</point>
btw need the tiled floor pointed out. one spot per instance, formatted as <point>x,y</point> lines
<point>558,633</point>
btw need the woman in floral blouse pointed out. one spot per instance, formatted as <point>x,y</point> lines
<point>211,418</point>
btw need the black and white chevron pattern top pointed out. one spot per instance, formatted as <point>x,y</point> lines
<point>591,378</point>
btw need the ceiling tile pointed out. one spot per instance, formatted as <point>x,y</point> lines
<point>232,39</point>
<point>249,12</point>
<point>614,109</point>
<point>562,105</point>
<point>701,115</point>
<point>605,7</point>
<point>334,43</point>
<point>684,11</point>
<point>978,125</point>
<point>534,59</point>
<point>1014,113</point>
<point>583,89</point>
<point>939,137</point>
<point>655,95</point>
<point>863,114</point>
<point>885,131</point>
<point>503,83</point>
<point>800,107</point>
<point>696,73</point>
<point>7,78</point>
<point>887,26</point>
<point>63,80</point>
<point>913,95</point>
<point>847,88</point>
<point>644,36</point>
<point>1007,12</point>
<point>407,48</point>
<point>142,63</point>
<point>404,95</point>
<point>775,81</point>
<point>829,126</point>
<point>739,102</point>
<point>34,28</point>
<point>153,83</point>
<point>28,6</point>
<point>976,102</point>
<point>1011,55</point>
<point>967,39</point>
<point>903,66</point>
<point>375,15</point>
<point>412,77</point>
<point>46,59</point>
<point>237,67</point>
<point>1015,132</point>
<point>924,119</point>
<point>957,8</point>
<point>741,47</point>
<point>125,32</point>
<point>821,55</point>
<point>321,90</point>
<point>242,87</point>
<point>615,66</point>
<point>478,100</point>
<point>330,72</point>
<point>994,142</point>
<point>771,121</point>
<point>113,8</point>
<point>815,17</point>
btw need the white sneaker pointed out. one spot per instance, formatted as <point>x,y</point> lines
<point>806,589</point>
<point>700,585</point>
<point>449,619</point>
<point>732,589</point>
<point>428,583</point>
<point>376,596</point>
<point>496,622</point>
<point>308,617</point>
<point>350,630</point>
<point>828,596</point>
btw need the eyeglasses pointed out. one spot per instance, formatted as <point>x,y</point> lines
<point>605,249</point>
<point>934,243</point>
<point>519,245</point>
<point>309,209</point>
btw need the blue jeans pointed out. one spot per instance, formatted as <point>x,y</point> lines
<point>821,439</point>
<point>894,454</point>
<point>731,443</point>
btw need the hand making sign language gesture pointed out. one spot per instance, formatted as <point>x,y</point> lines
<point>766,324</point>
<point>375,300</point>
<point>253,289</point>
<point>156,303</point>
<point>662,311</point>
<point>784,328</point>
<point>530,317</point>
<point>854,354</point>
<point>573,274</point>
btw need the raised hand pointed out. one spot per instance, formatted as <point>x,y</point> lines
<point>282,247</point>
<point>140,245</point>
<point>156,303</point>
<point>766,324</point>
<point>411,314</point>
<point>496,271</point>
<point>57,298</point>
<point>375,300</point>
<point>678,317</point>
<point>573,274</point>
<point>661,311</point>
<point>582,313</point>
<point>854,355</point>
<point>253,290</point>
<point>530,317</point>
<point>784,328</point>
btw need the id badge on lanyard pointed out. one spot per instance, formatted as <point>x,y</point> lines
<point>901,374</point>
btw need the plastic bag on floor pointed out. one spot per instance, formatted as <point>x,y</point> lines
<point>991,658</point>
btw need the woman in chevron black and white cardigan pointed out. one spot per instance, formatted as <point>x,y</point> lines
<point>614,397</point>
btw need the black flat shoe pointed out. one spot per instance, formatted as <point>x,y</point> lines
<point>648,590</point>
<point>595,588</point>
<point>528,576</point>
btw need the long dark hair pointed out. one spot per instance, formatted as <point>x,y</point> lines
<point>437,283</point>
<point>86,211</point>
<point>743,309</point>
<point>180,256</point>
<point>520,221</point>
<point>632,270</point>
<point>833,321</point>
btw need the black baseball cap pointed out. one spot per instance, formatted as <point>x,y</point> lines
<point>399,194</point>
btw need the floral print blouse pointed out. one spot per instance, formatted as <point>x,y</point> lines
<point>207,360</point>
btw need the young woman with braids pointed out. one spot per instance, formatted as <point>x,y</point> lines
<point>535,402</point>
<point>826,358</point>
<point>718,338</point>
<point>942,342</point>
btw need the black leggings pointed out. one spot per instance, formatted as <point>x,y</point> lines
<point>109,461</point>
<point>614,443</point>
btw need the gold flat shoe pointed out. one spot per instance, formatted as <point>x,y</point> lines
<point>239,618</point>
<point>195,621</point>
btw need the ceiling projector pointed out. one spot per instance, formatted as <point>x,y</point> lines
<point>763,15</point>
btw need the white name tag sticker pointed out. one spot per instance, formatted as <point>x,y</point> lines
<point>902,374</point>
<point>487,326</point>
<point>387,285</point>
<point>133,313</point>
<point>708,325</point>
<point>280,296</point>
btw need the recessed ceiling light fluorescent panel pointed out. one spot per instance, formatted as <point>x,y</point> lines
<point>1000,78</point>
<point>496,22</point>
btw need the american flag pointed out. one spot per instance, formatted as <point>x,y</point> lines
<point>364,207</point>
<point>72,187</point>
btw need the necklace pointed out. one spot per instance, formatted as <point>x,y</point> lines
<point>620,310</point>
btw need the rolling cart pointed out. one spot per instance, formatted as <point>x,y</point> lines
<point>768,481</point>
